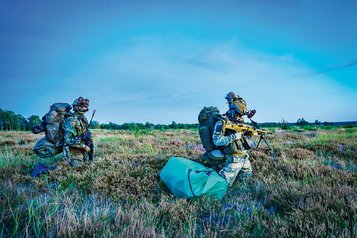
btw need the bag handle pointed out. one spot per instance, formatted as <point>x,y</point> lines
<point>208,172</point>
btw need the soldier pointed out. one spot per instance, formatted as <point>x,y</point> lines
<point>78,142</point>
<point>232,144</point>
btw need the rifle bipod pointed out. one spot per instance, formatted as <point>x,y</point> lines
<point>270,149</point>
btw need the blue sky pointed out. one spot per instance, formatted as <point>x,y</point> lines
<point>162,61</point>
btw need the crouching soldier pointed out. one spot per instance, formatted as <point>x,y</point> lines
<point>226,148</point>
<point>232,143</point>
<point>78,141</point>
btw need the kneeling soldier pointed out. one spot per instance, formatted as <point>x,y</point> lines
<point>78,142</point>
<point>231,143</point>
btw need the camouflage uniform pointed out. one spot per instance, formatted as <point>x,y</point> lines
<point>52,143</point>
<point>236,158</point>
<point>75,127</point>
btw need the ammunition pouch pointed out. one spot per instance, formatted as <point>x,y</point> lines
<point>232,148</point>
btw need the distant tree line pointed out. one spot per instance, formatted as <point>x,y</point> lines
<point>133,126</point>
<point>11,121</point>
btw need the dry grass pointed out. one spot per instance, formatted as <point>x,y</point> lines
<point>307,189</point>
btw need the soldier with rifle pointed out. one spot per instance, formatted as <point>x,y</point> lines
<point>78,141</point>
<point>233,139</point>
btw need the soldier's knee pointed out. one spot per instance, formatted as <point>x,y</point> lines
<point>229,174</point>
<point>229,179</point>
<point>247,167</point>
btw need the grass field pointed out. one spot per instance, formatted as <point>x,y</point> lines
<point>308,189</point>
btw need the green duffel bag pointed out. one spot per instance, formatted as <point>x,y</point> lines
<point>187,179</point>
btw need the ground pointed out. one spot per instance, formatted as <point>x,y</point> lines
<point>308,188</point>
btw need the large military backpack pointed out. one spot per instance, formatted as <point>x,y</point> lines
<point>52,123</point>
<point>207,119</point>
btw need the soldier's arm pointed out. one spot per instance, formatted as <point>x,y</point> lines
<point>219,139</point>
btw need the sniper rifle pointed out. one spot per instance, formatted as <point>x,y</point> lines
<point>249,130</point>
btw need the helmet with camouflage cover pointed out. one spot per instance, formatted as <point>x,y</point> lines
<point>80,105</point>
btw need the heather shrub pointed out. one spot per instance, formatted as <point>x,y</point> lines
<point>306,188</point>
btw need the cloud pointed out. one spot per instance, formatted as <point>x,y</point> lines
<point>161,80</point>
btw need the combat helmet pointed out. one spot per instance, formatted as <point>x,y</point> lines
<point>237,108</point>
<point>80,105</point>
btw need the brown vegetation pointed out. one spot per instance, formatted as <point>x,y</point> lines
<point>307,188</point>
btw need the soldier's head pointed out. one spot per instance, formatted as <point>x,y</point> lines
<point>237,107</point>
<point>80,105</point>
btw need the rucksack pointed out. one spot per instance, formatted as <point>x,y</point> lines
<point>52,123</point>
<point>207,119</point>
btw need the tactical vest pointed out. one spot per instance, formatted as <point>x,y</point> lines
<point>232,148</point>
<point>77,122</point>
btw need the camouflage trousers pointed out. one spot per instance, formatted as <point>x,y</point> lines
<point>236,165</point>
<point>46,149</point>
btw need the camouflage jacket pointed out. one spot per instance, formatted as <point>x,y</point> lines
<point>74,127</point>
<point>226,140</point>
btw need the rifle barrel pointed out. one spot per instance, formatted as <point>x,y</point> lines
<point>91,119</point>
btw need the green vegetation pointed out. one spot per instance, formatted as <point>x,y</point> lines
<point>10,121</point>
<point>307,188</point>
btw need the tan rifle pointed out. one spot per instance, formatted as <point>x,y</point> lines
<point>248,130</point>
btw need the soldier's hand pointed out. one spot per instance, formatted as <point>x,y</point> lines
<point>86,149</point>
<point>236,136</point>
<point>251,113</point>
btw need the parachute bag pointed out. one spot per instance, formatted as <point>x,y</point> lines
<point>187,179</point>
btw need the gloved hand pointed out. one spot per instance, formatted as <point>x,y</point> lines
<point>251,113</point>
<point>86,149</point>
<point>236,136</point>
